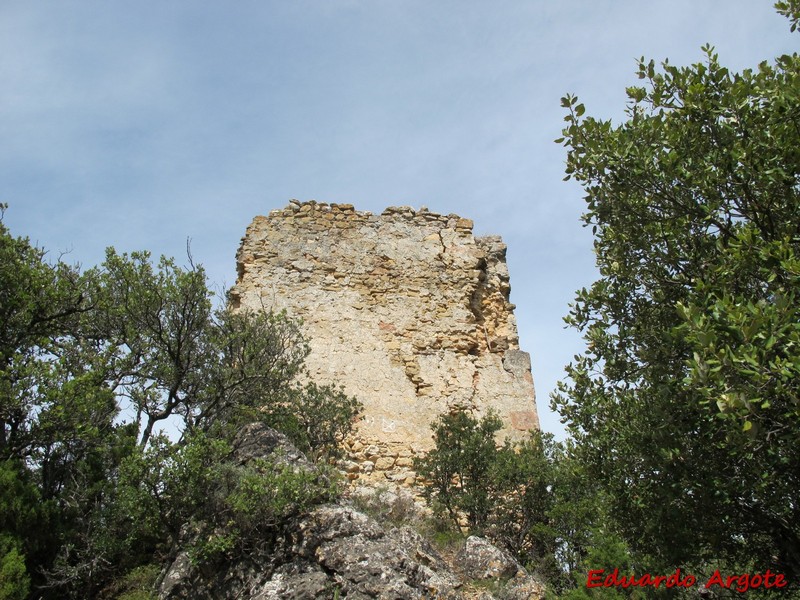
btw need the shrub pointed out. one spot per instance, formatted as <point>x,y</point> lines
<point>459,467</point>
<point>14,580</point>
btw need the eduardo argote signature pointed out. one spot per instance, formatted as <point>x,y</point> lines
<point>741,583</point>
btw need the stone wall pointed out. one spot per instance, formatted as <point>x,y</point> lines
<point>406,309</point>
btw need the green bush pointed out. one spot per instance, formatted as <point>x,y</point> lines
<point>315,418</point>
<point>246,502</point>
<point>459,467</point>
<point>14,580</point>
<point>139,584</point>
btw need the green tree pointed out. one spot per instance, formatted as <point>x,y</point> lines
<point>174,357</point>
<point>14,579</point>
<point>18,515</point>
<point>157,323</point>
<point>56,410</point>
<point>531,497</point>
<point>685,404</point>
<point>39,304</point>
<point>459,467</point>
<point>523,496</point>
<point>85,496</point>
<point>258,374</point>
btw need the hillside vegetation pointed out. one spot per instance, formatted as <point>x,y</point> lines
<point>122,390</point>
<point>92,365</point>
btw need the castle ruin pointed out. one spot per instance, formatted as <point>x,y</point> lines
<point>407,310</point>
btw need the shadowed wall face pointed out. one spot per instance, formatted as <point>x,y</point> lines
<point>407,310</point>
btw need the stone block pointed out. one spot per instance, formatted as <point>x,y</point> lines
<point>384,463</point>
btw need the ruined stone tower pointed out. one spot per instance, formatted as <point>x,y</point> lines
<point>406,309</point>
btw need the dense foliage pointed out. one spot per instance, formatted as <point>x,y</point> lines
<point>684,409</point>
<point>530,497</point>
<point>93,366</point>
<point>686,402</point>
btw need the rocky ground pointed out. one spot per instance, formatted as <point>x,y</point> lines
<point>339,551</point>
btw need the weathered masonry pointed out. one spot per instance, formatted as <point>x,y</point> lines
<point>406,309</point>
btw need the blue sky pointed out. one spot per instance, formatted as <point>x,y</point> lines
<point>141,124</point>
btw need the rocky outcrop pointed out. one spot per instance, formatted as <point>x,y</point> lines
<point>407,310</point>
<point>481,560</point>
<point>336,551</point>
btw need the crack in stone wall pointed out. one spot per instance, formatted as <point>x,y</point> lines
<point>406,309</point>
